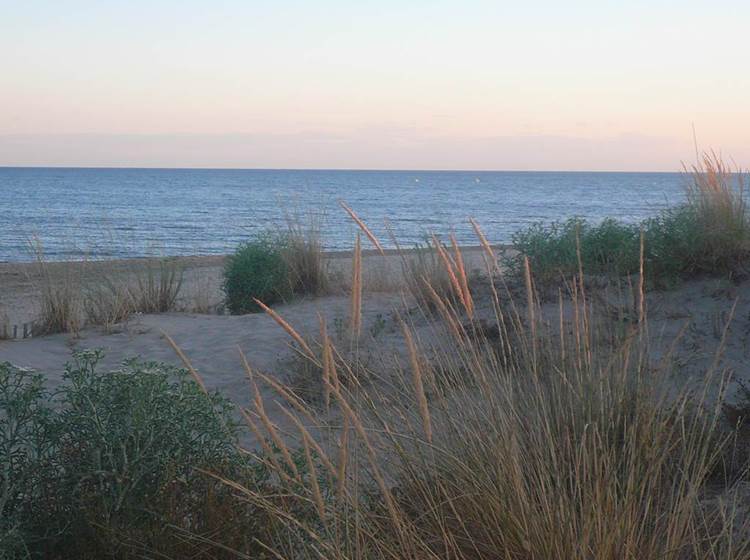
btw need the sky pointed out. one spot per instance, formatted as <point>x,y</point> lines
<point>384,84</point>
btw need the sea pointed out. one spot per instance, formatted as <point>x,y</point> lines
<point>95,213</point>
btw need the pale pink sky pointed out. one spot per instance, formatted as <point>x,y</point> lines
<point>380,85</point>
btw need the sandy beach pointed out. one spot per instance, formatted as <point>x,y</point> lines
<point>700,308</point>
<point>202,278</point>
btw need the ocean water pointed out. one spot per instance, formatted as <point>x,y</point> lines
<point>105,213</point>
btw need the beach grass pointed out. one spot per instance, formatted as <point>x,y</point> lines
<point>563,444</point>
<point>77,294</point>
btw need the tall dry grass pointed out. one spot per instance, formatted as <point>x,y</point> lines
<point>156,288</point>
<point>718,191</point>
<point>716,195</point>
<point>527,438</point>
<point>76,294</point>
<point>61,297</point>
<point>304,255</point>
<point>424,274</point>
<point>107,301</point>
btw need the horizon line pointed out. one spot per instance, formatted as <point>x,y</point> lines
<point>345,169</point>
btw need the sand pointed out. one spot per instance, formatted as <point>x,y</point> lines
<point>201,289</point>
<point>211,340</point>
<point>703,317</point>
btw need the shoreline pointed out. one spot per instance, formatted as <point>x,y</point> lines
<point>196,259</point>
<point>20,292</point>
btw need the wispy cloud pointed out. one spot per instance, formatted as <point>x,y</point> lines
<point>380,148</point>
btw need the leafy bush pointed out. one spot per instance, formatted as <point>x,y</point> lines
<point>710,233</point>
<point>122,464</point>
<point>257,269</point>
<point>27,435</point>
<point>553,249</point>
<point>677,244</point>
<point>134,437</point>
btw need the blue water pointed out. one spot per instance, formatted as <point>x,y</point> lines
<point>99,213</point>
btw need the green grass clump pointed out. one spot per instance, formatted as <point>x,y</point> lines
<point>256,270</point>
<point>708,234</point>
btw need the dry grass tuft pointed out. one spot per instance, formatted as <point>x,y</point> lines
<point>156,289</point>
<point>107,301</point>
<point>77,293</point>
<point>304,256</point>
<point>540,446</point>
<point>426,274</point>
<point>61,301</point>
<point>716,196</point>
<point>717,191</point>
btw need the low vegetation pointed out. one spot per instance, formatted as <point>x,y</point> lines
<point>709,234</point>
<point>123,464</point>
<point>274,267</point>
<point>304,256</point>
<point>61,298</point>
<point>73,296</point>
<point>256,270</point>
<point>155,290</point>
<point>517,438</point>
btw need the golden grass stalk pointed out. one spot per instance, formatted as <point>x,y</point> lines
<point>449,268</point>
<point>317,494</point>
<point>289,396</point>
<point>343,456</point>
<point>492,258</point>
<point>196,376</point>
<point>269,455</point>
<point>311,441</point>
<point>416,369</point>
<point>462,278</point>
<point>531,306</point>
<point>372,457</point>
<point>328,363</point>
<point>356,303</point>
<point>445,312</point>
<point>270,427</point>
<point>287,328</point>
<point>363,227</point>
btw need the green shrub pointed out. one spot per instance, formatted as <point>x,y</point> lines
<point>132,438</point>
<point>27,436</point>
<point>708,234</point>
<point>257,269</point>
<point>552,250</point>
<point>123,464</point>
<point>678,243</point>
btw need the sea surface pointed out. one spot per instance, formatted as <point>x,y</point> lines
<point>113,213</point>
